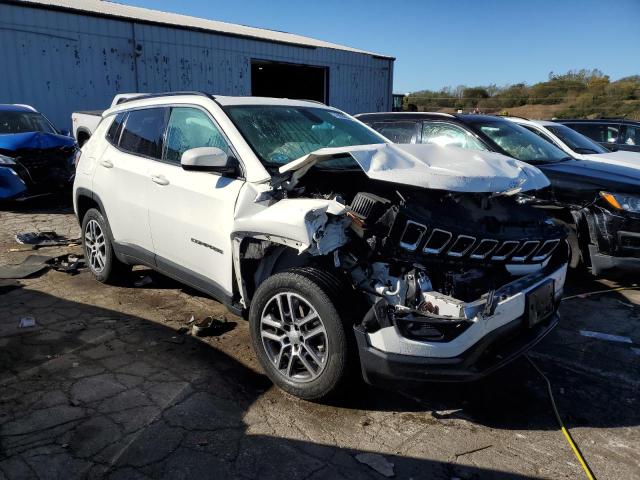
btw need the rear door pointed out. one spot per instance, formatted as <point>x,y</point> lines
<point>191,213</point>
<point>122,177</point>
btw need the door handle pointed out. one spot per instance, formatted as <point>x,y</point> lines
<point>106,163</point>
<point>160,179</point>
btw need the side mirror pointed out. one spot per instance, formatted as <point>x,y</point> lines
<point>66,133</point>
<point>208,159</point>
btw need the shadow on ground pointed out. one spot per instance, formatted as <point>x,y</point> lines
<point>92,392</point>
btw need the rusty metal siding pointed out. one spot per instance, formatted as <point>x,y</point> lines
<point>61,62</point>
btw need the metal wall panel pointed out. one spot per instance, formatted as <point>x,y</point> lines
<point>62,62</point>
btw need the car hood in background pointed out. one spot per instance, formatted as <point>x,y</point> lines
<point>432,166</point>
<point>34,140</point>
<point>621,158</point>
<point>595,174</point>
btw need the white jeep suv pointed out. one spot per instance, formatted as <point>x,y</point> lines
<point>347,253</point>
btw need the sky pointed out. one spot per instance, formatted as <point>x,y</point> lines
<point>453,42</point>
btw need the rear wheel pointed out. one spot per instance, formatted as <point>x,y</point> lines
<point>300,333</point>
<point>98,249</point>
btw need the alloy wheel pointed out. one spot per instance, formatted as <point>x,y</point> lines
<point>294,337</point>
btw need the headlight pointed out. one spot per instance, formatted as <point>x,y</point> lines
<point>620,201</point>
<point>4,160</point>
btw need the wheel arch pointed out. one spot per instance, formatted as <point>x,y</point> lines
<point>255,259</point>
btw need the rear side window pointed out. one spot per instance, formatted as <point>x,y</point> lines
<point>113,134</point>
<point>399,132</point>
<point>143,132</point>
<point>191,128</point>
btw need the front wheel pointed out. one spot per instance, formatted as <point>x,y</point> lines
<point>98,249</point>
<point>300,333</point>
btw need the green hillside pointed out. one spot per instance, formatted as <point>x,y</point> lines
<point>581,93</point>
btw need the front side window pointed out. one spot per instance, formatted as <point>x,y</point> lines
<point>143,132</point>
<point>399,132</point>
<point>23,122</point>
<point>631,135</point>
<point>446,134</point>
<point>599,132</point>
<point>190,128</point>
<point>575,140</point>
<point>280,134</point>
<point>518,142</point>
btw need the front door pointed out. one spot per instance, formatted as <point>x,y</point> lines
<point>191,213</point>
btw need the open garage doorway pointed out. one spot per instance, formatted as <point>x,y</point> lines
<point>289,80</point>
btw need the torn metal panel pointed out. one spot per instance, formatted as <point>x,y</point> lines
<point>432,166</point>
<point>294,222</point>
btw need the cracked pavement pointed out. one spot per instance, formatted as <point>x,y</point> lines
<point>107,385</point>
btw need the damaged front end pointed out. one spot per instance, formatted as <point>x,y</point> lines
<point>35,163</point>
<point>449,284</point>
<point>444,272</point>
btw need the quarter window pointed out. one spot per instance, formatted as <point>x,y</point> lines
<point>191,128</point>
<point>143,132</point>
<point>113,134</point>
<point>445,134</point>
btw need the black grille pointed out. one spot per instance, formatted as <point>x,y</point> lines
<point>39,166</point>
<point>440,242</point>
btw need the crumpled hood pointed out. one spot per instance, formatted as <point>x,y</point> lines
<point>36,140</point>
<point>432,166</point>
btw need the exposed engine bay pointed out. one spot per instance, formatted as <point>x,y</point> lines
<point>414,252</point>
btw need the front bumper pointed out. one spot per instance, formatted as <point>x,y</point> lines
<point>497,349</point>
<point>601,263</point>
<point>491,341</point>
<point>615,241</point>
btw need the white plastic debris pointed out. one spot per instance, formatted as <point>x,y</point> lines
<point>27,322</point>
<point>605,336</point>
<point>378,463</point>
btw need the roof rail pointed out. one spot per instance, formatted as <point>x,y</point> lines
<point>29,107</point>
<point>165,94</point>
<point>513,116</point>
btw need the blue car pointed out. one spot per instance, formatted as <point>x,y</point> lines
<point>35,158</point>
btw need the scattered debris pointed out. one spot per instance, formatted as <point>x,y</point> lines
<point>605,336</point>
<point>143,281</point>
<point>378,463</point>
<point>29,266</point>
<point>27,322</point>
<point>69,263</point>
<point>34,264</point>
<point>210,326</point>
<point>472,451</point>
<point>45,239</point>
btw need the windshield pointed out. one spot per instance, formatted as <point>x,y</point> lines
<point>281,134</point>
<point>21,122</point>
<point>576,141</point>
<point>518,142</point>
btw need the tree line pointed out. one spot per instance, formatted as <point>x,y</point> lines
<point>577,93</point>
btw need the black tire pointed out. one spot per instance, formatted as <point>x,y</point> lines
<point>325,293</point>
<point>113,270</point>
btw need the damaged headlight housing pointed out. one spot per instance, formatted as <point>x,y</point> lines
<point>4,160</point>
<point>620,201</point>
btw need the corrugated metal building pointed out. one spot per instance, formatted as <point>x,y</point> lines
<point>67,55</point>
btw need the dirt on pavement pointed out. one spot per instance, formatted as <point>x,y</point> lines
<point>109,383</point>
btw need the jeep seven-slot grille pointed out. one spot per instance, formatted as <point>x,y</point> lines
<point>436,241</point>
